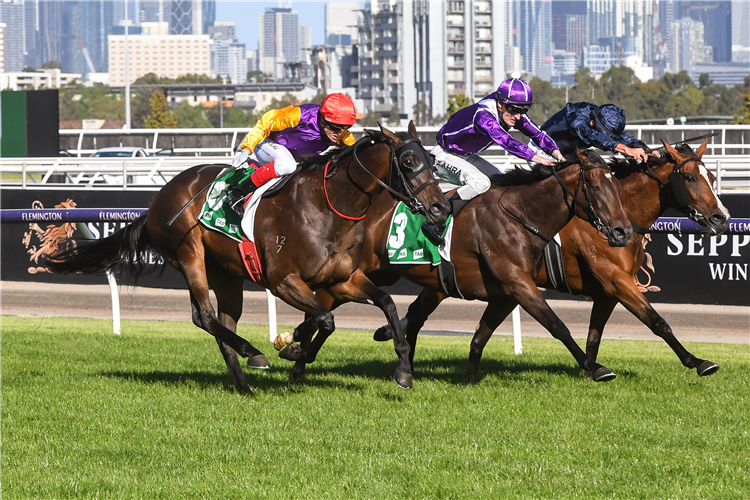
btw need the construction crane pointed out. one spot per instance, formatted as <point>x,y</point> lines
<point>86,54</point>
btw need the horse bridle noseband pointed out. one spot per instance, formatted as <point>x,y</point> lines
<point>589,210</point>
<point>678,191</point>
<point>410,200</point>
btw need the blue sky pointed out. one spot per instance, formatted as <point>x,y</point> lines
<point>245,15</point>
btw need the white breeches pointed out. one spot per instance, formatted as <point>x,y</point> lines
<point>471,172</point>
<point>269,151</point>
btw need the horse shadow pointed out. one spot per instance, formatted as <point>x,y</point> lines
<point>449,370</point>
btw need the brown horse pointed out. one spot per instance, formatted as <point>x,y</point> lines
<point>679,180</point>
<point>308,236</point>
<point>498,241</point>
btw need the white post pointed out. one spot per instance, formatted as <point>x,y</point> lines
<point>115,303</point>
<point>112,283</point>
<point>516,315</point>
<point>272,334</point>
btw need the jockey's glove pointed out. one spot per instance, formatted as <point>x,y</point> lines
<point>240,159</point>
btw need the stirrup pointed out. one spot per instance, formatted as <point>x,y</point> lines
<point>235,200</point>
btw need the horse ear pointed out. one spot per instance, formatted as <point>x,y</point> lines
<point>582,157</point>
<point>392,138</point>
<point>672,151</point>
<point>702,149</point>
<point>412,129</point>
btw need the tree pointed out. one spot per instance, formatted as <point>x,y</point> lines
<point>394,118</point>
<point>704,81</point>
<point>744,117</point>
<point>140,106</point>
<point>257,76</point>
<point>319,96</point>
<point>547,100</point>
<point>161,116</point>
<point>422,114</point>
<point>191,116</point>
<point>459,101</point>
<point>371,119</point>
<point>52,65</point>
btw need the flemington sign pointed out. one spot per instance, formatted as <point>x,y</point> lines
<point>681,266</point>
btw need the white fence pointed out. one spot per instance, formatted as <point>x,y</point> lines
<point>150,174</point>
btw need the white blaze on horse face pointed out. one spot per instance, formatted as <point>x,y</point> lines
<point>704,173</point>
<point>608,176</point>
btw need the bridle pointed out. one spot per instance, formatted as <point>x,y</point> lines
<point>587,209</point>
<point>397,156</point>
<point>678,192</point>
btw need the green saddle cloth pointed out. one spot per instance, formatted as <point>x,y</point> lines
<point>407,243</point>
<point>216,214</point>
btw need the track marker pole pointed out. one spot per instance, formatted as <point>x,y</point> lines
<point>516,315</point>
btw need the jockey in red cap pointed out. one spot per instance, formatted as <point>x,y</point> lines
<point>282,136</point>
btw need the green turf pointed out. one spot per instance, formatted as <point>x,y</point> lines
<point>152,414</point>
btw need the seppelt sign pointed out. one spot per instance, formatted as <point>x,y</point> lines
<point>679,267</point>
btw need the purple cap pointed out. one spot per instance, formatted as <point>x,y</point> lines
<point>515,91</point>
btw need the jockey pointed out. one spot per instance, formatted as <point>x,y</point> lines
<point>583,125</point>
<point>475,128</point>
<point>282,136</point>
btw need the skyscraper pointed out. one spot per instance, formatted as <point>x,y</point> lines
<point>278,40</point>
<point>191,17</point>
<point>12,14</point>
<point>341,23</point>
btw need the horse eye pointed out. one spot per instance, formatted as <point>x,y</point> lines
<point>596,187</point>
<point>690,178</point>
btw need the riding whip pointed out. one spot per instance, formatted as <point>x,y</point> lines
<point>196,196</point>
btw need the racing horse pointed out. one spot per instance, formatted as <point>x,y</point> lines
<point>497,245</point>
<point>679,180</point>
<point>307,236</point>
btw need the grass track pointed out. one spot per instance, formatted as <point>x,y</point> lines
<point>152,414</point>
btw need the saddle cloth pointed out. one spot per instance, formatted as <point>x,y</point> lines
<point>407,243</point>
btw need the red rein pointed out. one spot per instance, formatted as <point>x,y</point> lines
<point>325,190</point>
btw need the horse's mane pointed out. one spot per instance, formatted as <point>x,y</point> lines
<point>520,175</point>
<point>314,162</point>
<point>624,167</point>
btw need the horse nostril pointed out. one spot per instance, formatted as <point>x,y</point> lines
<point>440,208</point>
<point>620,235</point>
<point>718,218</point>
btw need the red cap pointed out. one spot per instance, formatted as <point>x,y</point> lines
<point>338,109</point>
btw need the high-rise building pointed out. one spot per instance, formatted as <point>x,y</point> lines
<point>688,44</point>
<point>341,22</point>
<point>228,58</point>
<point>305,42</point>
<point>167,56</point>
<point>2,48</point>
<point>278,40</point>
<point>716,18</point>
<point>191,17</point>
<point>12,15</point>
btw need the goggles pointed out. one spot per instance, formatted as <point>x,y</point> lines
<point>336,128</point>
<point>516,110</point>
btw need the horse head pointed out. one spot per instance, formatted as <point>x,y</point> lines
<point>601,192</point>
<point>415,177</point>
<point>691,189</point>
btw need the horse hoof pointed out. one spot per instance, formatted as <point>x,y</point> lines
<point>403,380</point>
<point>292,352</point>
<point>298,372</point>
<point>382,334</point>
<point>603,374</point>
<point>707,368</point>
<point>259,362</point>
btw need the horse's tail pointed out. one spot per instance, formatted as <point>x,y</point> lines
<point>125,251</point>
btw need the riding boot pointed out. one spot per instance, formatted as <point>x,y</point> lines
<point>457,204</point>
<point>238,193</point>
<point>434,233</point>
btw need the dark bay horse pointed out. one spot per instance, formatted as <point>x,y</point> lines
<point>607,274</point>
<point>498,241</point>
<point>308,236</point>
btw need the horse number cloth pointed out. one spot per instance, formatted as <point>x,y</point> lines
<point>407,243</point>
<point>215,214</point>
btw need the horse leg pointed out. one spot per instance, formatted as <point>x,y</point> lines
<point>530,298</point>
<point>305,331</point>
<point>635,302</point>
<point>418,312</point>
<point>357,288</point>
<point>493,315</point>
<point>193,268</point>
<point>600,313</point>
<point>228,290</point>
